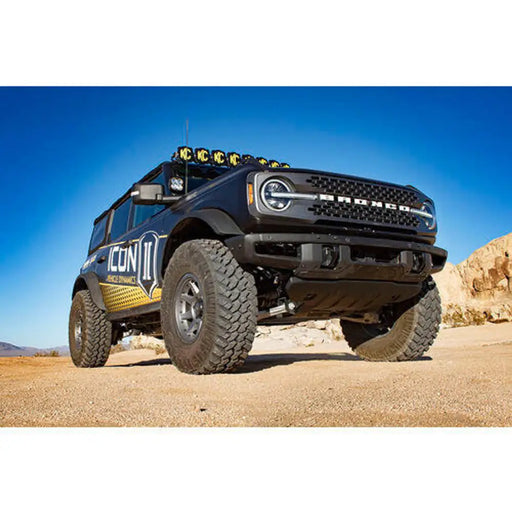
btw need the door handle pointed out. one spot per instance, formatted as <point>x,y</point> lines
<point>101,259</point>
<point>128,243</point>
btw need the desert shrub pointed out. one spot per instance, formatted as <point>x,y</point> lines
<point>456,316</point>
<point>114,349</point>
<point>51,353</point>
<point>476,317</point>
<point>159,350</point>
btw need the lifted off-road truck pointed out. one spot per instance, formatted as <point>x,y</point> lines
<point>208,245</point>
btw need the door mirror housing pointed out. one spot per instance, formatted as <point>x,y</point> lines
<point>151,193</point>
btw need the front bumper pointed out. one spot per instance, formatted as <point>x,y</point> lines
<point>355,258</point>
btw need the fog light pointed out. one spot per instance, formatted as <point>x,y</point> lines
<point>329,256</point>
<point>418,262</point>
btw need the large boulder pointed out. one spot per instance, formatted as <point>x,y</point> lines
<point>487,272</point>
<point>451,285</point>
<point>304,334</point>
<point>479,289</point>
<point>147,342</point>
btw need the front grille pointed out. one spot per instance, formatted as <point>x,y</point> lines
<point>364,213</point>
<point>363,190</point>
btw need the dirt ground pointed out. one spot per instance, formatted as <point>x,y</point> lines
<point>464,380</point>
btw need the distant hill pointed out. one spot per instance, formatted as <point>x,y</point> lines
<point>7,346</point>
<point>10,350</point>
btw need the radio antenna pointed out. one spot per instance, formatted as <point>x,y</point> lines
<point>186,161</point>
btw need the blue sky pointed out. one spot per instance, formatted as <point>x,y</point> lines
<point>67,153</point>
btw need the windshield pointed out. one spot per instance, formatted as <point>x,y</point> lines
<point>199,174</point>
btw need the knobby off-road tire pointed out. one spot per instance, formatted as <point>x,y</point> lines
<point>228,308</point>
<point>90,333</point>
<point>411,335</point>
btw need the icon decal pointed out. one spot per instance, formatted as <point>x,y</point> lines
<point>147,273</point>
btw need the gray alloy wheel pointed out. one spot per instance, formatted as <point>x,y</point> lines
<point>78,332</point>
<point>189,307</point>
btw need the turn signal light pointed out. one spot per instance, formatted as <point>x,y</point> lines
<point>250,193</point>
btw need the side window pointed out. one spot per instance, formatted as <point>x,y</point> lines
<point>98,234</point>
<point>198,175</point>
<point>120,221</point>
<point>143,211</point>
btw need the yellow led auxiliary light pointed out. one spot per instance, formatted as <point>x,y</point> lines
<point>233,159</point>
<point>185,153</point>
<point>201,155</point>
<point>221,158</point>
<point>218,157</point>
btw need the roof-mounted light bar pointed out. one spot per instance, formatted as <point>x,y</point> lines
<point>220,158</point>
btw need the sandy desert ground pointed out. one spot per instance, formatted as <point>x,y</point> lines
<point>464,380</point>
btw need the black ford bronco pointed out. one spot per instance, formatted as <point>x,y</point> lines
<point>208,245</point>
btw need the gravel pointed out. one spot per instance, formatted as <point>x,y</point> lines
<point>464,380</point>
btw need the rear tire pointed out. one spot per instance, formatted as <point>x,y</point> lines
<point>414,330</point>
<point>209,308</point>
<point>90,333</point>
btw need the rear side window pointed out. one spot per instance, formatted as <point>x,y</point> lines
<point>145,211</point>
<point>120,221</point>
<point>98,234</point>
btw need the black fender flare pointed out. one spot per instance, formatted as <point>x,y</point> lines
<point>216,221</point>
<point>89,281</point>
<point>219,221</point>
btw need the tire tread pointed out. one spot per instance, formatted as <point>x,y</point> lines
<point>98,333</point>
<point>236,309</point>
<point>424,327</point>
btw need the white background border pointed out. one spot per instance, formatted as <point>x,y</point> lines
<point>255,469</point>
<point>397,42</point>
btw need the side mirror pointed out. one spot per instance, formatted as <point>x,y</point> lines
<point>151,193</point>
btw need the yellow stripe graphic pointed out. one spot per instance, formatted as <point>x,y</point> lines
<point>118,297</point>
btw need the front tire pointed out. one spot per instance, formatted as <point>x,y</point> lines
<point>209,309</point>
<point>408,337</point>
<point>90,333</point>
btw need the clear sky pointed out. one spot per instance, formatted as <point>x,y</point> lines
<point>67,153</point>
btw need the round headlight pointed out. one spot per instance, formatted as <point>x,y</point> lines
<point>428,212</point>
<point>272,193</point>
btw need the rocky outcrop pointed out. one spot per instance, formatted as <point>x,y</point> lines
<point>305,334</point>
<point>479,289</point>
<point>451,285</point>
<point>488,271</point>
<point>148,342</point>
<point>475,313</point>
